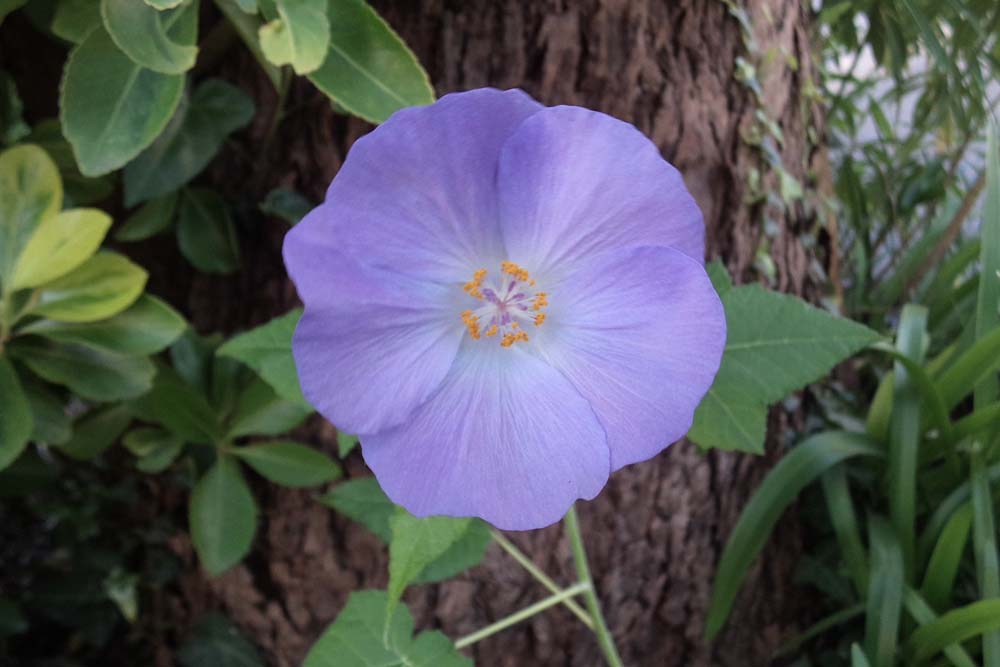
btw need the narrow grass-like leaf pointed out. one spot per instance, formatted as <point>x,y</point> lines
<point>984,544</point>
<point>885,593</point>
<point>945,560</point>
<point>795,471</point>
<point>954,627</point>
<point>858,658</point>
<point>977,364</point>
<point>845,525</point>
<point>904,433</point>
<point>921,612</point>
<point>947,507</point>
<point>988,299</point>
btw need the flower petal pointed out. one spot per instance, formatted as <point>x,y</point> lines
<point>418,194</point>
<point>640,333</point>
<point>574,183</point>
<point>506,438</point>
<point>366,367</point>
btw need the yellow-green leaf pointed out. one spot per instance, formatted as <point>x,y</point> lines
<point>30,191</point>
<point>104,285</point>
<point>59,245</point>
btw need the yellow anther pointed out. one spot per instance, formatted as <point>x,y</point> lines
<point>492,331</point>
<point>515,325</point>
<point>471,323</point>
<point>539,318</point>
<point>515,337</point>
<point>515,271</point>
<point>472,287</point>
<point>541,300</point>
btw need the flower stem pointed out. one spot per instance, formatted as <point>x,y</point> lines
<point>604,639</point>
<point>527,612</point>
<point>543,578</point>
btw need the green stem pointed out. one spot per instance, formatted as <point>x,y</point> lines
<point>604,639</point>
<point>527,612</point>
<point>543,578</point>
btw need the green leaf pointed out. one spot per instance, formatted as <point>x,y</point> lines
<point>300,37</point>
<point>794,472</point>
<point>205,231</point>
<point>369,71</point>
<point>974,366</point>
<point>289,463</point>
<point>885,593</point>
<point>268,350</point>
<point>16,421</point>
<point>79,189</point>
<point>181,408</point>
<point>945,560</point>
<point>954,627</point>
<point>465,552</point>
<point>223,517</point>
<point>146,327</point>
<point>12,125</point>
<point>104,285</point>
<point>58,245</point>
<point>363,501</point>
<point>905,432</point>
<point>74,19</point>
<point>719,275</point>
<point>984,545</point>
<point>345,443</point>
<point>858,658</point>
<point>216,642</point>
<point>193,137</point>
<point>163,5</point>
<point>260,411</point>
<point>110,107</point>
<point>988,299</point>
<point>91,373</point>
<point>155,448</point>
<point>154,217</point>
<point>365,635</point>
<point>286,204</point>
<point>416,543</point>
<point>96,432</point>
<point>7,6</point>
<point>845,524</point>
<point>30,192</point>
<point>922,613</point>
<point>140,31</point>
<point>776,344</point>
<point>52,425</point>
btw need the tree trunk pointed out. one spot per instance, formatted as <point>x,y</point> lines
<point>671,67</point>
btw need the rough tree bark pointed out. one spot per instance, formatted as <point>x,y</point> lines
<point>655,534</point>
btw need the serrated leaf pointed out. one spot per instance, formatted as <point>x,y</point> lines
<point>775,344</point>
<point>300,37</point>
<point>30,192</point>
<point>181,408</point>
<point>289,463</point>
<point>146,327</point>
<point>416,543</point>
<point>363,501</point>
<point>154,217</point>
<point>58,245</point>
<point>369,71</point>
<point>223,517</point>
<point>91,373</point>
<point>286,204</point>
<point>465,552</point>
<point>97,431</point>
<point>155,448</point>
<point>364,635</point>
<point>141,32</point>
<point>73,19</point>
<point>205,231</point>
<point>268,350</point>
<point>193,137</point>
<point>260,411</point>
<point>104,285</point>
<point>110,107</point>
<point>16,421</point>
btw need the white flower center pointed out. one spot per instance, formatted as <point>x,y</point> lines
<point>506,308</point>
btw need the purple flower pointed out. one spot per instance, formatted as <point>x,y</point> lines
<point>507,302</point>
